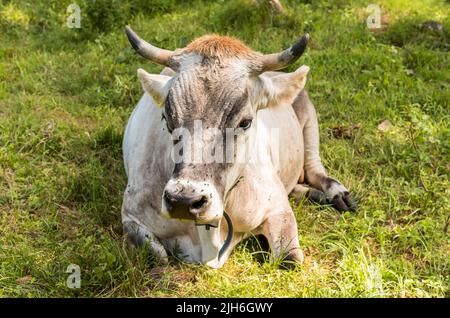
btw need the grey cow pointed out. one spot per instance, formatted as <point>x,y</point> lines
<point>265,124</point>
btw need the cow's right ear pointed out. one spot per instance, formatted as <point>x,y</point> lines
<point>156,85</point>
<point>274,88</point>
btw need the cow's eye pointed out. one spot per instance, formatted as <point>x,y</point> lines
<point>167,123</point>
<point>245,124</point>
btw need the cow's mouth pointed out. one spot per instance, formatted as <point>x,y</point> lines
<point>207,226</point>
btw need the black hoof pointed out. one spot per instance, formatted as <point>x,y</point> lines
<point>316,196</point>
<point>344,202</point>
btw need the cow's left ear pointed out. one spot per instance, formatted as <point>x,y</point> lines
<point>275,88</point>
<point>156,85</point>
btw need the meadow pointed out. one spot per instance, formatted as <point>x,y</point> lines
<point>383,102</point>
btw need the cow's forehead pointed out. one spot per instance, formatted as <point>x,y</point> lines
<point>213,69</point>
<point>209,88</point>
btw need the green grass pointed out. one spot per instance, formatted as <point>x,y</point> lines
<point>66,94</point>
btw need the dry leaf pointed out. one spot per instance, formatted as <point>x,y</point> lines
<point>384,126</point>
<point>24,280</point>
<point>277,5</point>
<point>385,20</point>
<point>346,132</point>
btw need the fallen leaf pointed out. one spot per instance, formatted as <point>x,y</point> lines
<point>347,132</point>
<point>385,19</point>
<point>384,126</point>
<point>24,280</point>
<point>277,5</point>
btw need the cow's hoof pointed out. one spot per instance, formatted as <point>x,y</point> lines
<point>316,196</point>
<point>343,202</point>
<point>292,259</point>
<point>338,196</point>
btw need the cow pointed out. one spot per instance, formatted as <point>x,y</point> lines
<point>197,211</point>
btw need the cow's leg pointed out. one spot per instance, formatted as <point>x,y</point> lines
<point>314,172</point>
<point>139,236</point>
<point>301,191</point>
<point>280,230</point>
<point>279,225</point>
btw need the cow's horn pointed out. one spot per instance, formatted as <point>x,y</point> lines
<point>276,61</point>
<point>147,50</point>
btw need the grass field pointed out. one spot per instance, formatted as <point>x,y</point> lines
<point>66,94</point>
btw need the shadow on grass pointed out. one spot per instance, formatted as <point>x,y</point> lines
<point>96,189</point>
<point>419,31</point>
<point>258,247</point>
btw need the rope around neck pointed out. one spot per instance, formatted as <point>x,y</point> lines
<point>227,242</point>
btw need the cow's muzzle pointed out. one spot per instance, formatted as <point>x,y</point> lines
<point>191,200</point>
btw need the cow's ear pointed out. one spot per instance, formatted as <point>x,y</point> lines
<point>156,85</point>
<point>275,88</point>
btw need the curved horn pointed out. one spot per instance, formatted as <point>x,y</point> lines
<point>276,61</point>
<point>147,50</point>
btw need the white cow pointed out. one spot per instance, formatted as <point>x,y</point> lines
<point>215,87</point>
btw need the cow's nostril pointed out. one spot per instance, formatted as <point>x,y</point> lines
<point>199,203</point>
<point>169,201</point>
<point>167,196</point>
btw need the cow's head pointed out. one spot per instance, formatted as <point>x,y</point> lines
<point>212,99</point>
